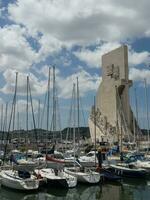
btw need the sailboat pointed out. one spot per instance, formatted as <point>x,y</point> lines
<point>25,163</point>
<point>19,180</point>
<point>83,175</point>
<point>57,177</point>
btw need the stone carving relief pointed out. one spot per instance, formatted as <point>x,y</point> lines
<point>102,123</point>
<point>113,71</point>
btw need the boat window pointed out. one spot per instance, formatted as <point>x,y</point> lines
<point>90,154</point>
<point>24,174</point>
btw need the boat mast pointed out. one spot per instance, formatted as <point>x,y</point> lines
<point>14,106</point>
<point>78,110</point>
<point>33,117</point>
<point>39,111</point>
<point>147,113</point>
<point>11,115</point>
<point>48,98</point>
<point>27,116</point>
<point>95,127</point>
<point>70,118</point>
<point>54,104</point>
<point>1,117</point>
<point>74,120</point>
<point>38,119</point>
<point>137,118</point>
<point>4,129</point>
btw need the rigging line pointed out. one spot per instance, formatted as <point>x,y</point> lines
<point>5,123</point>
<point>147,113</point>
<point>70,117</point>
<point>1,116</point>
<point>43,110</point>
<point>78,110</point>
<point>27,112</point>
<point>58,115</point>
<point>54,102</point>
<point>82,111</point>
<point>38,117</point>
<point>48,99</point>
<point>9,126</point>
<point>33,117</point>
<point>15,101</point>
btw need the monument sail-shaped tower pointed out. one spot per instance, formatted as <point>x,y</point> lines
<point>114,117</point>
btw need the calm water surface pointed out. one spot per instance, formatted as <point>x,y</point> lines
<point>127,190</point>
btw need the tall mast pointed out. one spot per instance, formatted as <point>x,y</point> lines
<point>78,111</point>
<point>38,120</point>
<point>27,116</point>
<point>48,97</point>
<point>54,103</point>
<point>1,117</point>
<point>137,118</point>
<point>4,129</point>
<point>11,115</point>
<point>39,111</point>
<point>5,122</point>
<point>95,127</point>
<point>15,101</point>
<point>74,119</point>
<point>147,113</point>
<point>33,117</point>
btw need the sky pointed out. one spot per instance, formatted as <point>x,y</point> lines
<point>71,35</point>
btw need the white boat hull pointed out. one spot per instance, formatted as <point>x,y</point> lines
<point>89,177</point>
<point>59,178</point>
<point>11,180</point>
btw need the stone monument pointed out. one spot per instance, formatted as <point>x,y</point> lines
<point>113,114</point>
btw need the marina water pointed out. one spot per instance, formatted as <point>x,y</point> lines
<point>128,189</point>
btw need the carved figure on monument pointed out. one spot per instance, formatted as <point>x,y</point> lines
<point>116,73</point>
<point>113,71</point>
<point>109,71</point>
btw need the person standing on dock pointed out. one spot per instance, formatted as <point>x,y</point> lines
<point>99,157</point>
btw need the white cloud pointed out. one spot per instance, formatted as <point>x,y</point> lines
<point>22,105</point>
<point>87,82</point>
<point>64,85</point>
<point>93,58</point>
<point>15,51</point>
<point>83,22</point>
<point>139,75</point>
<point>136,58</point>
<point>38,87</point>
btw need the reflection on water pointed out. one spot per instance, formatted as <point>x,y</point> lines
<point>128,189</point>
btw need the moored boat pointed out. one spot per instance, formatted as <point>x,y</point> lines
<point>18,180</point>
<point>58,178</point>
<point>83,176</point>
<point>128,171</point>
<point>110,175</point>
